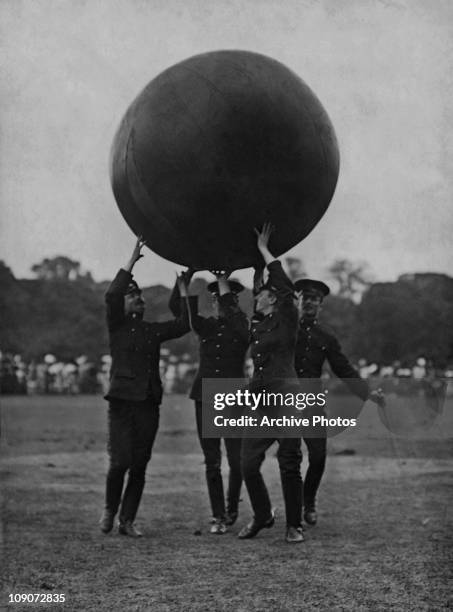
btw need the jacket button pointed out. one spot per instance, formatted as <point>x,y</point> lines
<point>217,371</point>
<point>218,345</point>
<point>260,368</point>
<point>133,329</point>
<point>219,334</point>
<point>258,354</point>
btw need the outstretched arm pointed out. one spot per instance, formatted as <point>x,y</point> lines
<point>222,279</point>
<point>136,254</point>
<point>283,286</point>
<point>174,303</point>
<point>182,323</point>
<point>230,307</point>
<point>114,296</point>
<point>258,279</point>
<point>180,301</point>
<point>263,243</point>
<point>342,368</point>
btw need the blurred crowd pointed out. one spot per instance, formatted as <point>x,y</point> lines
<point>81,375</point>
<point>51,375</point>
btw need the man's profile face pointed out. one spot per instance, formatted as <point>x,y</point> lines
<point>134,303</point>
<point>264,300</point>
<point>310,304</point>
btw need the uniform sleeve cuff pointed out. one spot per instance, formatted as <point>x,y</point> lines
<point>125,273</point>
<point>274,264</point>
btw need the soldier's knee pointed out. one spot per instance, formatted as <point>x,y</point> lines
<point>250,466</point>
<point>120,459</point>
<point>235,467</point>
<point>317,457</point>
<point>212,467</point>
<point>289,462</point>
<point>137,472</point>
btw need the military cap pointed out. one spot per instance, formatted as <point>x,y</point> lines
<point>234,286</point>
<point>309,285</point>
<point>270,287</point>
<point>132,287</point>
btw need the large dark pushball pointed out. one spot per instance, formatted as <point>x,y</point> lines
<point>217,145</point>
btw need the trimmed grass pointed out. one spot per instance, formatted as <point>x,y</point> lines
<point>383,540</point>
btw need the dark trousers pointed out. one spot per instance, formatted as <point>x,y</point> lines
<point>132,428</point>
<point>316,463</point>
<point>289,457</point>
<point>211,448</point>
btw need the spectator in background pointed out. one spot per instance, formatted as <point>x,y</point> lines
<point>419,369</point>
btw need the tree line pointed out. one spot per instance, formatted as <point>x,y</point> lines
<point>61,311</point>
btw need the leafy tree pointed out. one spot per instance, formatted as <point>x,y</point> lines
<point>13,311</point>
<point>401,320</point>
<point>57,268</point>
<point>352,278</point>
<point>408,318</point>
<point>340,314</point>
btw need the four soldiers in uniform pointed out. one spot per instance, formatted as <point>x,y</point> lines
<point>282,348</point>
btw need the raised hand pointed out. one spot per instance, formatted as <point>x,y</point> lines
<point>136,253</point>
<point>263,241</point>
<point>264,235</point>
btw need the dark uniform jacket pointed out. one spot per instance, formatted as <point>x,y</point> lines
<point>314,345</point>
<point>135,346</point>
<point>223,341</point>
<point>273,337</point>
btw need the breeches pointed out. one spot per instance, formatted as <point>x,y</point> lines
<point>289,457</point>
<point>211,448</point>
<point>132,429</point>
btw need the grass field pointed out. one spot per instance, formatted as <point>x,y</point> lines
<point>383,541</point>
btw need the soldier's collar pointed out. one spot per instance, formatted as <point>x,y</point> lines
<point>305,322</point>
